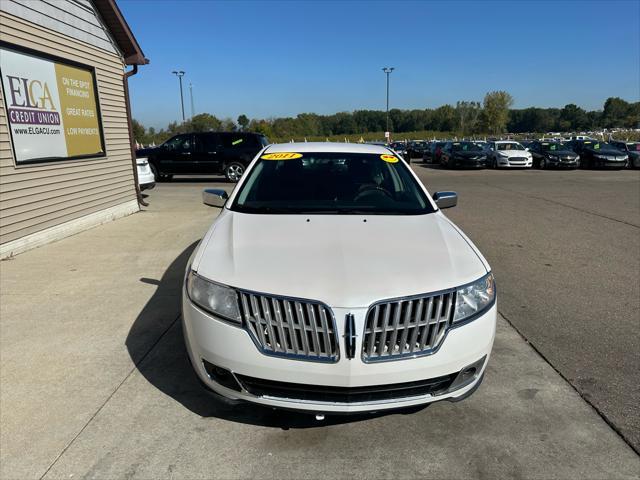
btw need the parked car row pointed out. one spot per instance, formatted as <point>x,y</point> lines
<point>578,152</point>
<point>229,154</point>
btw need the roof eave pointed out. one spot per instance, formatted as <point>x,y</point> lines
<point>120,31</point>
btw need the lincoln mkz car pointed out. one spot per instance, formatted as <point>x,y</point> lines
<point>332,282</point>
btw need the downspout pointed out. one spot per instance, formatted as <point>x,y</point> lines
<point>125,83</point>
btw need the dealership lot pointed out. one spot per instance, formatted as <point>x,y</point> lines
<point>96,382</point>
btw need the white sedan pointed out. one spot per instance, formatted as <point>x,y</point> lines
<point>332,282</point>
<point>509,154</point>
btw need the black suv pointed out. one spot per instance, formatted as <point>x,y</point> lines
<point>595,154</point>
<point>553,154</point>
<point>211,153</point>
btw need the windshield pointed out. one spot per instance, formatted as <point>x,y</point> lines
<point>598,145</point>
<point>553,147</point>
<point>509,146</point>
<point>465,147</point>
<point>331,183</point>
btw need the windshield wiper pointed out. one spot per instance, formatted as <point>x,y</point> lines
<point>248,209</point>
<point>336,211</point>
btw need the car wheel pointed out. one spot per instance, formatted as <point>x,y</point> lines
<point>543,164</point>
<point>234,171</point>
<point>160,177</point>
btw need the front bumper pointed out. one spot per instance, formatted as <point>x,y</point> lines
<point>210,341</point>
<point>557,163</point>
<point>600,163</point>
<point>469,163</point>
<point>507,163</point>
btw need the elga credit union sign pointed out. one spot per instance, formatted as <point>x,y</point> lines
<point>51,106</point>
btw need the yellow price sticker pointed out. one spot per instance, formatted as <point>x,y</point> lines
<point>389,158</point>
<point>281,156</point>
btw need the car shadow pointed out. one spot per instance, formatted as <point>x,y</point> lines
<point>199,179</point>
<point>433,166</point>
<point>156,345</point>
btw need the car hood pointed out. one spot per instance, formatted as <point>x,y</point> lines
<point>561,153</point>
<point>342,260</point>
<point>514,153</point>
<point>608,153</point>
<point>464,154</point>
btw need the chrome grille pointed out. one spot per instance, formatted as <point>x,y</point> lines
<point>290,327</point>
<point>406,327</point>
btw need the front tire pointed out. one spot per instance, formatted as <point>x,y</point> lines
<point>234,171</point>
<point>160,177</point>
<point>543,164</point>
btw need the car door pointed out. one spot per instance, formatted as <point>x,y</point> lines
<point>209,153</point>
<point>176,155</point>
<point>239,147</point>
<point>536,152</point>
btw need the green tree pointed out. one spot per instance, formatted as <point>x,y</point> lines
<point>467,116</point>
<point>615,112</point>
<point>203,122</point>
<point>444,118</point>
<point>228,125</point>
<point>496,110</point>
<point>261,126</point>
<point>139,132</point>
<point>243,121</point>
<point>572,117</point>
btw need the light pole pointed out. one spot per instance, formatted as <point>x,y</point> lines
<point>180,74</point>
<point>388,71</point>
<point>191,97</point>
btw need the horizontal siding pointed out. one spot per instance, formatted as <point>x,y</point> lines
<point>55,44</point>
<point>76,20</point>
<point>26,214</point>
<point>39,196</point>
<point>66,215</point>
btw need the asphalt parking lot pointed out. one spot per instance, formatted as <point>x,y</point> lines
<point>96,383</point>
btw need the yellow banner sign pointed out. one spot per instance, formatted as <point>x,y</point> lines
<point>52,108</point>
<point>281,156</point>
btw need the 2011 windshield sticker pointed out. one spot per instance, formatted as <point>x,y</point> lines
<point>281,156</point>
<point>389,158</point>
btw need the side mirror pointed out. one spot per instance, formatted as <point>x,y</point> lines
<point>214,197</point>
<point>445,199</point>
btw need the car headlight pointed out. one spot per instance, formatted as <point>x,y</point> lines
<point>475,298</point>
<point>217,299</point>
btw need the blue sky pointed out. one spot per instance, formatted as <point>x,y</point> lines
<point>267,59</point>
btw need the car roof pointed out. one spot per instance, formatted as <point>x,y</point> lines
<point>507,141</point>
<point>330,147</point>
